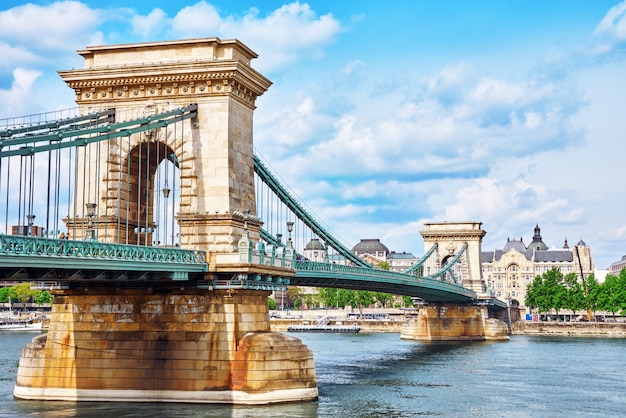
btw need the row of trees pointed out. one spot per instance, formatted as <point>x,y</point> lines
<point>553,291</point>
<point>340,298</point>
<point>22,293</point>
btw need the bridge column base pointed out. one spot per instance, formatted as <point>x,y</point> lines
<point>172,345</point>
<point>445,322</point>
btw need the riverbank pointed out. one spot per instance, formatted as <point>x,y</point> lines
<point>366,325</point>
<point>572,329</point>
<point>576,329</point>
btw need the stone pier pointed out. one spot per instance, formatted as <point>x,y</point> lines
<point>443,322</point>
<point>170,345</point>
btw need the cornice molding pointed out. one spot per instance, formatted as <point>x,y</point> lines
<point>180,80</point>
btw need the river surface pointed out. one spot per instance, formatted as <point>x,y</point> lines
<point>379,375</point>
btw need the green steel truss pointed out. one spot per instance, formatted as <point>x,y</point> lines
<point>429,288</point>
<point>248,281</point>
<point>58,135</point>
<point>415,268</point>
<point>267,177</point>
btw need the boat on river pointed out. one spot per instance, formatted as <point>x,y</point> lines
<point>12,324</point>
<point>324,328</point>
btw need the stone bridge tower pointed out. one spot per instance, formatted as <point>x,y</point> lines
<point>450,237</point>
<point>177,339</point>
<point>214,151</point>
<point>442,321</point>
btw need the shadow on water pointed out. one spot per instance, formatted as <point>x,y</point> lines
<point>131,409</point>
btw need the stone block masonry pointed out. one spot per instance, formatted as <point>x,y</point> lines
<point>443,322</point>
<point>181,346</point>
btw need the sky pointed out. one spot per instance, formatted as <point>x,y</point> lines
<point>384,116</point>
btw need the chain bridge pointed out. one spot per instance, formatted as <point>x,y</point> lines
<point>161,232</point>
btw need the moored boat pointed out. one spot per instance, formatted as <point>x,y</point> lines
<point>324,328</point>
<point>8,324</point>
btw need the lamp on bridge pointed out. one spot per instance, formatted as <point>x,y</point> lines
<point>289,250</point>
<point>91,212</point>
<point>166,193</point>
<point>31,221</point>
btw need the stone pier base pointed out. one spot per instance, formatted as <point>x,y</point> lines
<point>443,322</point>
<point>173,345</point>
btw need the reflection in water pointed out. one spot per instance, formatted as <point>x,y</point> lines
<point>373,375</point>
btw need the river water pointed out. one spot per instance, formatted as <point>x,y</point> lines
<point>379,375</point>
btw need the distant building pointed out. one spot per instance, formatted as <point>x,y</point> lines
<point>511,270</point>
<point>375,252</point>
<point>371,247</point>
<point>315,250</point>
<point>371,250</point>
<point>616,268</point>
<point>401,261</point>
<point>35,231</point>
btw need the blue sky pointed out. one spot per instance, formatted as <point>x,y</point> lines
<point>383,116</point>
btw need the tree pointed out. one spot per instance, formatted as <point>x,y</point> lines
<point>293,295</point>
<point>383,265</point>
<point>24,293</point>
<point>4,294</point>
<point>537,295</point>
<point>622,293</point>
<point>43,297</point>
<point>334,298</point>
<point>385,299</point>
<point>575,293</point>
<point>363,298</point>
<point>554,290</point>
<point>609,294</point>
<point>407,301</point>
<point>271,303</point>
<point>592,293</point>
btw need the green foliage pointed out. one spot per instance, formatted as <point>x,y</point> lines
<point>22,293</point>
<point>383,299</point>
<point>575,297</point>
<point>407,301</point>
<point>4,294</point>
<point>552,291</point>
<point>384,265</point>
<point>43,297</point>
<point>271,303</point>
<point>340,298</point>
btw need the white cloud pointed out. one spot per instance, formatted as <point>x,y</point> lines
<point>610,32</point>
<point>64,25</point>
<point>13,56</point>
<point>287,34</point>
<point>145,26</point>
<point>198,20</point>
<point>351,67</point>
<point>13,100</point>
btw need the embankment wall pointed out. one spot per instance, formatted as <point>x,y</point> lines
<point>580,329</point>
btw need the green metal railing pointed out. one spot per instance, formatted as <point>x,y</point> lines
<point>15,249</point>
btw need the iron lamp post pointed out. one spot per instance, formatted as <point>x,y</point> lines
<point>91,212</point>
<point>31,221</point>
